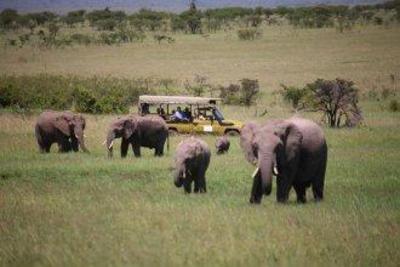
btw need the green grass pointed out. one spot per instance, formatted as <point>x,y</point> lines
<point>79,210</point>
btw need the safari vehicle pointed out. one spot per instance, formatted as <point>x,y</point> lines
<point>189,114</point>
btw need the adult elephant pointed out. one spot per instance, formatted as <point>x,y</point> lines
<point>64,128</point>
<point>148,131</point>
<point>294,150</point>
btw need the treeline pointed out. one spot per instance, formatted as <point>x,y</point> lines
<point>196,21</point>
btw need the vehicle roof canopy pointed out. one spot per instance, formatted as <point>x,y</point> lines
<point>188,100</point>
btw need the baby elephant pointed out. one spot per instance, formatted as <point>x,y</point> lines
<point>191,160</point>
<point>222,144</point>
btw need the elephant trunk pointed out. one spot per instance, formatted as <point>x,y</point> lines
<point>79,135</point>
<point>180,175</point>
<point>266,165</point>
<point>110,143</point>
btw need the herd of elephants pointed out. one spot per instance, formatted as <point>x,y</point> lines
<point>294,150</point>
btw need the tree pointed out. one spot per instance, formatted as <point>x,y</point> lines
<point>249,91</point>
<point>74,17</point>
<point>337,99</point>
<point>192,17</point>
<point>8,17</point>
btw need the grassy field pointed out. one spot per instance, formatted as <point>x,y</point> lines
<point>78,209</point>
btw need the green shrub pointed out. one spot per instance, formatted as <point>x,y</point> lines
<point>248,33</point>
<point>88,95</point>
<point>293,95</point>
<point>394,105</point>
<point>81,39</point>
<point>243,94</point>
<point>84,101</point>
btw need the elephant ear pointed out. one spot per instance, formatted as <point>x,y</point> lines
<point>130,127</point>
<point>293,140</point>
<point>63,123</point>
<point>247,141</point>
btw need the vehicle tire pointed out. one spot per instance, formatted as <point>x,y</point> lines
<point>232,132</point>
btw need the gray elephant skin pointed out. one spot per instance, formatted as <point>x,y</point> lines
<point>191,162</point>
<point>64,128</point>
<point>294,150</point>
<point>222,144</point>
<point>148,131</point>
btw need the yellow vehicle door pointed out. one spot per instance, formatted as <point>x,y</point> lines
<point>206,126</point>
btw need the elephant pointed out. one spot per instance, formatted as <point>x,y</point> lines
<point>191,162</point>
<point>148,131</point>
<point>64,128</point>
<point>294,150</point>
<point>222,144</point>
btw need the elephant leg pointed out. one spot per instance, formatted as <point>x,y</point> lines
<point>160,148</point>
<point>64,145</point>
<point>203,185</point>
<point>45,148</point>
<point>318,186</point>
<point>74,144</point>
<point>196,185</point>
<point>202,178</point>
<point>300,192</point>
<point>319,180</point>
<point>124,147</point>
<point>136,150</point>
<point>256,191</point>
<point>283,186</point>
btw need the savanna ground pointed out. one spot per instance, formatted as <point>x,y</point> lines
<point>80,209</point>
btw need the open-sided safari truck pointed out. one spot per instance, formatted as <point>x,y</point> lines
<point>185,114</point>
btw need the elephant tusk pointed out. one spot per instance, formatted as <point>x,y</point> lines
<point>111,145</point>
<point>275,171</point>
<point>255,172</point>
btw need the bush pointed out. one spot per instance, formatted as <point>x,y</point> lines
<point>74,17</point>
<point>89,95</point>
<point>394,105</point>
<point>249,91</point>
<point>84,101</point>
<point>243,94</point>
<point>293,95</point>
<point>230,94</point>
<point>81,39</point>
<point>248,33</point>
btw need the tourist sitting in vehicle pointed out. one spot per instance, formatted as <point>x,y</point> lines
<point>178,115</point>
<point>161,112</point>
<point>187,114</point>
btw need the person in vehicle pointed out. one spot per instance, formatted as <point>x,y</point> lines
<point>178,115</point>
<point>161,112</point>
<point>187,114</point>
<point>217,115</point>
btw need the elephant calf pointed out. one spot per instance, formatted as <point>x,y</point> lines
<point>191,160</point>
<point>222,144</point>
<point>64,128</point>
<point>148,131</point>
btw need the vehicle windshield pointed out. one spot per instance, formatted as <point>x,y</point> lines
<point>217,114</point>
